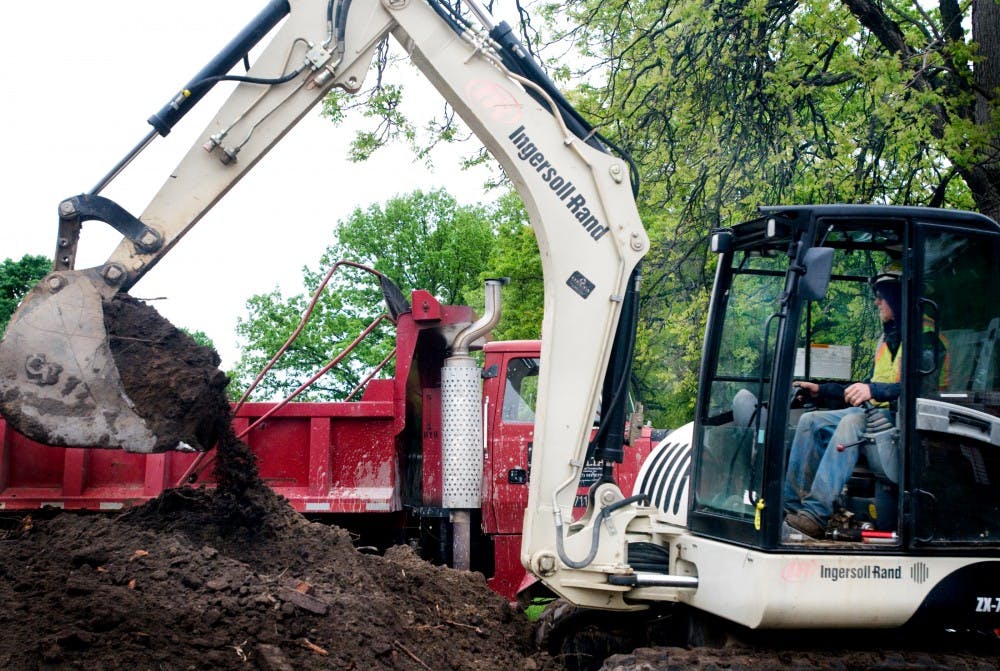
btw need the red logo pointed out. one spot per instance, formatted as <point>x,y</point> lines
<point>495,101</point>
<point>798,570</point>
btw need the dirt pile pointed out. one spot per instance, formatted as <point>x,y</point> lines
<point>199,580</point>
<point>231,577</point>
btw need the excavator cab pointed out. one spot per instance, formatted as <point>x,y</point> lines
<point>914,499</point>
<point>794,301</point>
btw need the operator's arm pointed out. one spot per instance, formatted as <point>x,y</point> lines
<point>837,394</point>
<point>827,394</point>
<point>883,392</point>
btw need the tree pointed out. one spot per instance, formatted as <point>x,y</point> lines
<point>742,101</point>
<point>421,240</point>
<point>16,279</point>
<point>200,337</point>
<point>514,256</point>
<point>727,105</point>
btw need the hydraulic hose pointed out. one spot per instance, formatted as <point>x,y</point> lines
<point>234,52</point>
<point>595,532</point>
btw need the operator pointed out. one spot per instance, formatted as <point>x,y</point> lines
<point>825,446</point>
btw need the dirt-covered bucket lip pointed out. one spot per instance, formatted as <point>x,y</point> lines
<point>78,369</point>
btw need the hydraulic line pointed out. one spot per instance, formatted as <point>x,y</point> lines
<point>205,459</point>
<point>595,530</point>
<point>182,102</point>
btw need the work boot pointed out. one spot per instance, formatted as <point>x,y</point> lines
<point>805,523</point>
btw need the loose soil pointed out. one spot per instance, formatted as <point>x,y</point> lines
<point>232,578</point>
<point>175,383</point>
<point>198,579</point>
<point>229,577</point>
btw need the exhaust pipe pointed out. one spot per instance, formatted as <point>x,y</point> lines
<point>482,326</point>
<point>462,428</point>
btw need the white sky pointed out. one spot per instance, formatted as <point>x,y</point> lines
<point>80,79</point>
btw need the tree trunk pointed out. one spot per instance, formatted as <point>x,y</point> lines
<point>984,177</point>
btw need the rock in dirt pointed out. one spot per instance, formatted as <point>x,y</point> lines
<point>174,382</point>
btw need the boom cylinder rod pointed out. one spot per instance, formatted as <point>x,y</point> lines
<point>481,13</point>
<point>185,99</point>
<point>122,164</point>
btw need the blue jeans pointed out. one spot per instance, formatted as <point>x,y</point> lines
<point>817,469</point>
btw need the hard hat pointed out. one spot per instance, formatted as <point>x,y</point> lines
<point>888,286</point>
<point>892,272</point>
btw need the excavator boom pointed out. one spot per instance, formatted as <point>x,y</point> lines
<point>59,383</point>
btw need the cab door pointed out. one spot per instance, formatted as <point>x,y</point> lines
<point>510,397</point>
<point>954,392</point>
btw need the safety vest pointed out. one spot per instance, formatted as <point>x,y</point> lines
<point>888,367</point>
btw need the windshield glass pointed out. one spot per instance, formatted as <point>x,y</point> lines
<point>836,342</point>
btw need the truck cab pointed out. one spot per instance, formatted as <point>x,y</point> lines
<point>510,394</point>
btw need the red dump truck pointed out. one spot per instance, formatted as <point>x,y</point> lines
<point>374,466</point>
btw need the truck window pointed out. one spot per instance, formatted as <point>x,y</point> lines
<point>521,391</point>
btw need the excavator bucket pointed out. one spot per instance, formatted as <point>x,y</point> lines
<point>60,383</point>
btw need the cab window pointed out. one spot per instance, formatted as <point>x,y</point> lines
<point>521,391</point>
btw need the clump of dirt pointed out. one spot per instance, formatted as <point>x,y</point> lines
<point>174,382</point>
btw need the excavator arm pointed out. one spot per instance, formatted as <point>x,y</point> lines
<point>579,199</point>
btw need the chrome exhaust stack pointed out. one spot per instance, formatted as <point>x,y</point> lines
<point>462,427</point>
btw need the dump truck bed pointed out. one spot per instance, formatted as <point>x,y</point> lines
<point>322,457</point>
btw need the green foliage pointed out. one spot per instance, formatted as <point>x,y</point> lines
<point>420,241</point>
<point>16,279</point>
<point>200,337</point>
<point>729,105</point>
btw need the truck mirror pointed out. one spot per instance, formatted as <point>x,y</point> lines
<point>818,262</point>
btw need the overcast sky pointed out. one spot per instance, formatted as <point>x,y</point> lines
<point>80,79</point>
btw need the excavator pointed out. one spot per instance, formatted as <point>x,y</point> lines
<point>915,539</point>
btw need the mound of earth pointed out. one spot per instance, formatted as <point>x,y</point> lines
<point>200,579</point>
<point>229,577</point>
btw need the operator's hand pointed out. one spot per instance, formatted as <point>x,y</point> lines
<point>858,393</point>
<point>810,387</point>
